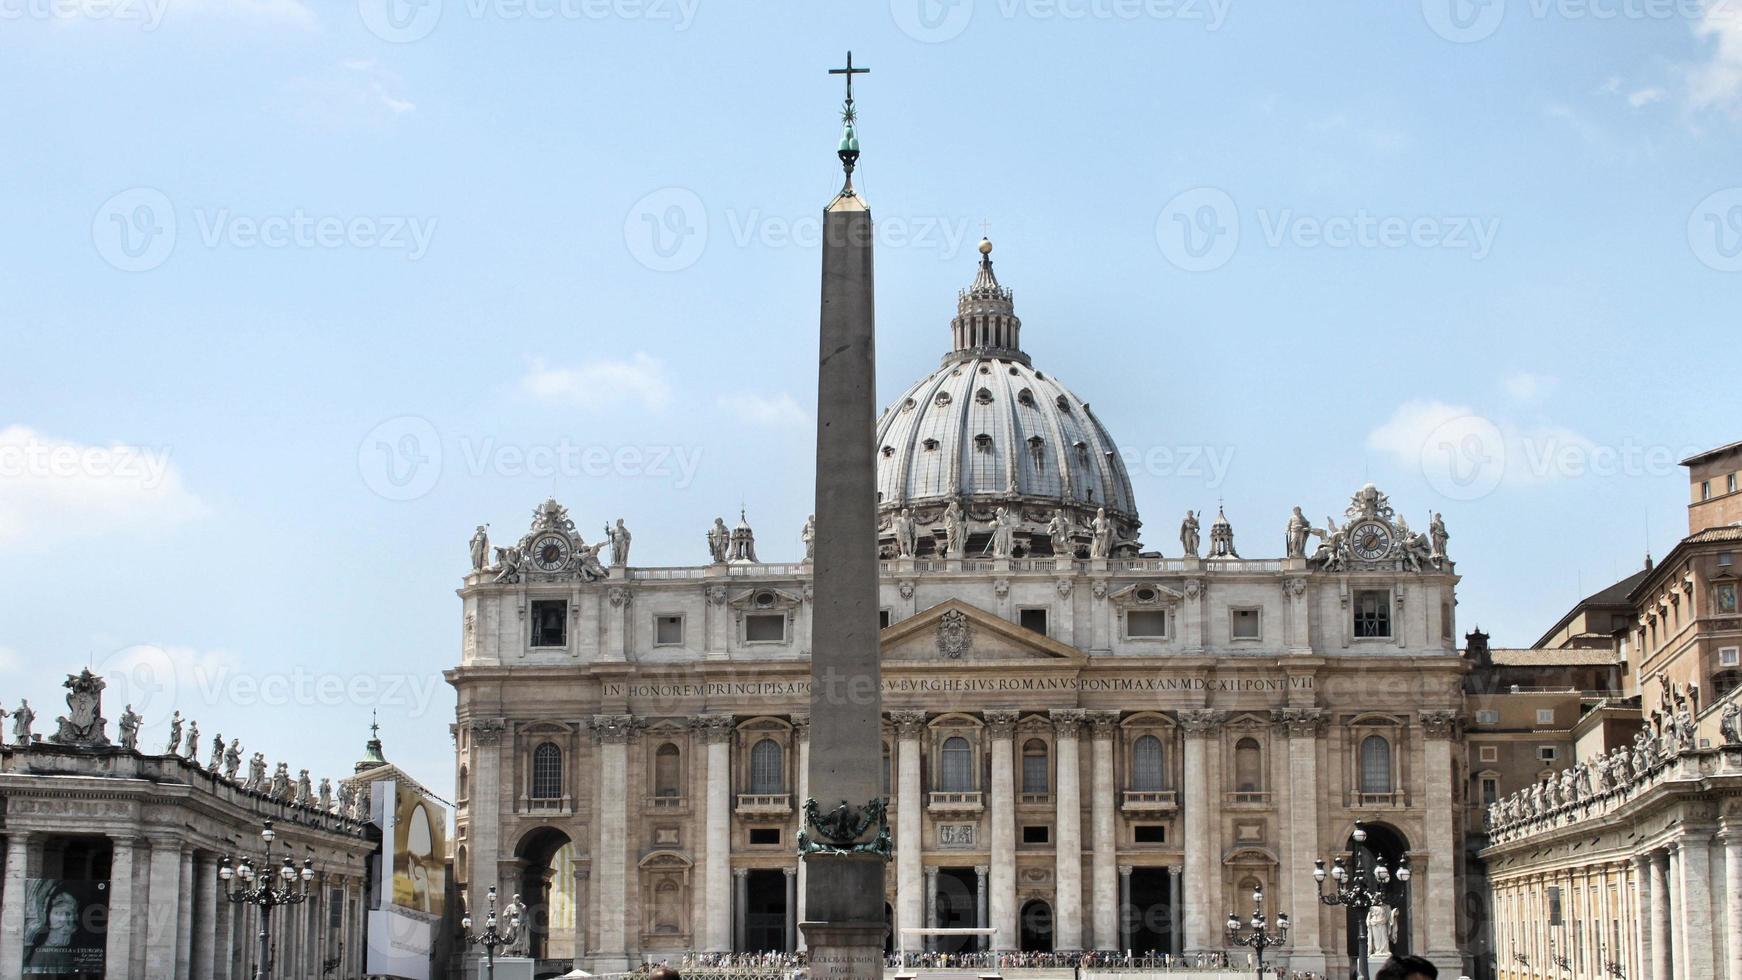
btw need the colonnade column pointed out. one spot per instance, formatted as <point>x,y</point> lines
<point>205,921</point>
<point>1659,908</point>
<point>1125,910</point>
<point>118,944</point>
<point>983,942</point>
<point>1678,937</point>
<point>1001,726</point>
<point>1641,965</point>
<point>1068,874</point>
<point>931,906</point>
<point>1301,821</point>
<point>910,900</point>
<point>18,847</point>
<point>801,729</point>
<point>1103,866</point>
<point>580,912</point>
<point>613,733</point>
<point>1201,922</point>
<point>1694,906</point>
<point>717,936</point>
<point>740,905</point>
<point>792,894</point>
<point>184,903</point>
<point>1732,838</point>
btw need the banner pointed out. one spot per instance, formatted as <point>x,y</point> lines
<point>64,926</point>
<point>419,851</point>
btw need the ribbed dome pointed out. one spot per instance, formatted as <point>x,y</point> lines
<point>988,430</point>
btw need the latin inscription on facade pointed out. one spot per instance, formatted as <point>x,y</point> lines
<point>1130,683</point>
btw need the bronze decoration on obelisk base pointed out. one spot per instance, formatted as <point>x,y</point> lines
<point>845,838</point>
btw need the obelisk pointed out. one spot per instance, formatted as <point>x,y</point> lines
<point>845,851</point>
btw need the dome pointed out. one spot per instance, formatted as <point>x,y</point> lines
<point>989,431</point>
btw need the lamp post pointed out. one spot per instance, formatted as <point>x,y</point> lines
<point>493,937</point>
<point>1360,888</point>
<point>1257,937</point>
<point>242,883</point>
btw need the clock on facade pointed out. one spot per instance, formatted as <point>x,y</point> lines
<point>550,552</point>
<point>1370,541</point>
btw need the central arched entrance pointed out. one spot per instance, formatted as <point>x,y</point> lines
<point>1385,844</point>
<point>1036,927</point>
<point>546,889</point>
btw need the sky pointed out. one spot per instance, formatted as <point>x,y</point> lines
<point>294,293</point>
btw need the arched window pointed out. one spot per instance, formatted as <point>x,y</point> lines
<point>958,765</point>
<point>665,766</point>
<point>1375,764</point>
<point>547,772</point>
<point>1034,766</point>
<point>463,781</point>
<point>1248,766</point>
<point>1146,766</point>
<point>765,768</point>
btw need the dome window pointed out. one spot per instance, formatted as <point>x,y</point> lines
<point>943,398</point>
<point>1025,397</point>
<point>1015,373</point>
<point>983,442</point>
<point>983,396</point>
<point>1037,449</point>
<point>909,405</point>
<point>1082,452</point>
<point>888,451</point>
<point>985,369</point>
<point>931,445</point>
<point>1064,404</point>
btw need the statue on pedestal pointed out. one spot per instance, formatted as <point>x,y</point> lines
<point>619,537</point>
<point>191,748</point>
<point>130,721</point>
<point>1003,528</point>
<point>21,720</point>
<point>324,802</point>
<point>1101,544</point>
<point>1295,534</point>
<point>955,531</point>
<point>1730,724</point>
<point>906,537</point>
<point>174,734</point>
<point>1188,534</point>
<point>480,547</point>
<point>719,539</point>
<point>809,537</point>
<point>232,759</point>
<point>217,761</point>
<point>1059,531</point>
<point>1436,530</point>
<point>1381,927</point>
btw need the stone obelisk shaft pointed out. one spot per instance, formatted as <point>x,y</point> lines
<point>844,893</point>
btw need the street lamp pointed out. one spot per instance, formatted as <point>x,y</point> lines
<point>493,937</point>
<point>242,883</point>
<point>1361,888</point>
<point>1257,937</point>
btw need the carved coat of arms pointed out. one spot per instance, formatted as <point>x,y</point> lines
<point>955,634</point>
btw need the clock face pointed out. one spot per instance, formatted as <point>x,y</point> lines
<point>550,552</point>
<point>1370,541</point>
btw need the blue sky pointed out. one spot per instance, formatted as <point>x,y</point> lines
<point>334,282</point>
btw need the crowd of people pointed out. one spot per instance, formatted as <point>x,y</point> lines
<point>789,966</point>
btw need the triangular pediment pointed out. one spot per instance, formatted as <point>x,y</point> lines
<point>955,631</point>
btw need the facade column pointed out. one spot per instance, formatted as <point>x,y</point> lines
<point>791,907</point>
<point>1695,907</point>
<point>18,847</point>
<point>184,937</point>
<point>801,725</point>
<point>716,733</point>
<point>162,908</point>
<point>1068,848</point>
<point>1103,862</point>
<point>1732,838</point>
<point>1678,938</point>
<point>118,944</point>
<point>580,912</point>
<point>1202,923</point>
<point>205,920</point>
<point>1642,917</point>
<point>740,905</point>
<point>613,733</point>
<point>980,912</point>
<point>1303,726</point>
<point>1001,726</point>
<point>1660,923</point>
<point>484,811</point>
<point>1176,911</point>
<point>1125,908</point>
<point>931,907</point>
<point>1439,776</point>
<point>910,900</point>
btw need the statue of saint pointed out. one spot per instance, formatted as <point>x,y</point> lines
<point>1102,535</point>
<point>1060,532</point>
<point>130,729</point>
<point>1436,530</point>
<point>619,536</point>
<point>1003,533</point>
<point>1381,921</point>
<point>955,531</point>
<point>191,748</point>
<point>719,539</point>
<point>906,537</point>
<point>21,720</point>
<point>809,537</point>
<point>480,547</point>
<point>1730,724</point>
<point>232,759</point>
<point>217,761</point>
<point>1188,534</point>
<point>174,735</point>
<point>324,802</point>
<point>1295,534</point>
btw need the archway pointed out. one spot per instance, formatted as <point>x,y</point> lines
<point>1036,927</point>
<point>1385,844</point>
<point>546,889</point>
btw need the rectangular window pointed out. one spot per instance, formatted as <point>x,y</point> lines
<point>1487,716</point>
<point>1490,753</point>
<point>765,628</point>
<point>668,631</point>
<point>1145,624</point>
<point>1730,483</point>
<point>1034,774</point>
<point>1547,753</point>
<point>1554,905</point>
<point>1243,624</point>
<point>1545,716</point>
<point>1036,833</point>
<point>1372,614</point>
<point>1149,833</point>
<point>549,619</point>
<point>765,835</point>
<point>1705,489</point>
<point>1726,559</point>
<point>1729,656</point>
<point>1032,619</point>
<point>1490,790</point>
<point>882,619</point>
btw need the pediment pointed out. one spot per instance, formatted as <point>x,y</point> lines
<point>765,599</point>
<point>1146,594</point>
<point>954,631</point>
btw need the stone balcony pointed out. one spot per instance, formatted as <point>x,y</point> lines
<point>1247,798</point>
<point>955,802</point>
<point>669,804</point>
<point>1135,801</point>
<point>1395,800</point>
<point>764,804</point>
<point>1034,799</point>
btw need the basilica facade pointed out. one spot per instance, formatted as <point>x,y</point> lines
<point>1088,744</point>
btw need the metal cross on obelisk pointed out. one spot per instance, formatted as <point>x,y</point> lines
<point>844,840</point>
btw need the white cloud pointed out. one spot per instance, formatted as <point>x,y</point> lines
<point>52,489</point>
<point>601,383</point>
<point>1525,386</point>
<point>1645,96</point>
<point>773,411</point>
<point>1466,454</point>
<point>357,93</point>
<point>1717,83</point>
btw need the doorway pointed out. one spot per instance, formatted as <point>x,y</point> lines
<point>765,918</point>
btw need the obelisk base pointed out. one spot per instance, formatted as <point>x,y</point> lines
<point>845,950</point>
